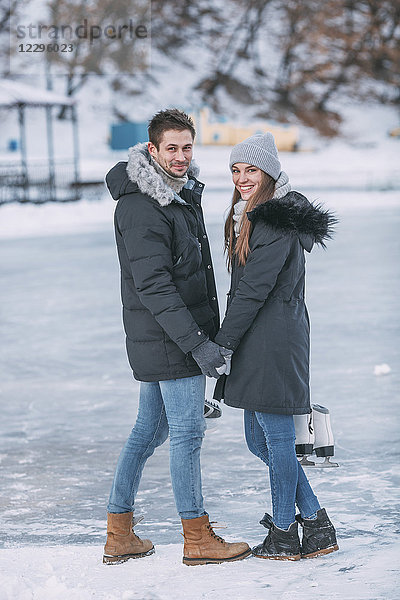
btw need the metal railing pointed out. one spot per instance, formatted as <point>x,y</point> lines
<point>38,183</point>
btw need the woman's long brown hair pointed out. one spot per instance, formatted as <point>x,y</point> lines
<point>240,245</point>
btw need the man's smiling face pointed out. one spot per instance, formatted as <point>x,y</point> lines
<point>175,152</point>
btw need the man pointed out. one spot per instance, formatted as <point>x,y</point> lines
<point>170,312</point>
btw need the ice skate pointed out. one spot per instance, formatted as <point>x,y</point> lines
<point>314,435</point>
<point>324,443</point>
<point>304,438</point>
<point>212,409</point>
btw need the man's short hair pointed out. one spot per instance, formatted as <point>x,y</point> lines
<point>165,120</point>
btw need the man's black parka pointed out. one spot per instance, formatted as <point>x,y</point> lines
<point>167,282</point>
<point>266,322</point>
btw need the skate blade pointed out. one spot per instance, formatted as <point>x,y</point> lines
<point>327,464</point>
<point>118,560</point>
<point>294,557</point>
<point>214,561</point>
<point>321,552</point>
<point>306,463</point>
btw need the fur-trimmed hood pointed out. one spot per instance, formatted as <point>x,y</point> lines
<point>312,223</point>
<point>138,172</point>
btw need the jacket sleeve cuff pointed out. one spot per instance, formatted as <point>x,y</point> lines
<point>194,341</point>
<point>222,340</point>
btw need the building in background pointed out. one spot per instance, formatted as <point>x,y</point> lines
<point>220,131</point>
<point>211,131</point>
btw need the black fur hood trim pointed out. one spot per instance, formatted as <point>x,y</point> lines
<point>295,213</point>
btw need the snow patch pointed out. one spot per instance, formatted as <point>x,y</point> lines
<point>382,369</point>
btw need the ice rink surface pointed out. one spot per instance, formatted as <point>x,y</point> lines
<point>68,402</point>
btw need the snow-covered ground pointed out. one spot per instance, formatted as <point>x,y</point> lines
<point>68,401</point>
<point>74,573</point>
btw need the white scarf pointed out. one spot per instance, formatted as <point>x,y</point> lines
<point>282,187</point>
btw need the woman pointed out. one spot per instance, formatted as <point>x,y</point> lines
<point>267,328</point>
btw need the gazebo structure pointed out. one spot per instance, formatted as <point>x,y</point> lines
<point>25,180</point>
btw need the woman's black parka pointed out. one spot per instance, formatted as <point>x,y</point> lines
<point>266,322</point>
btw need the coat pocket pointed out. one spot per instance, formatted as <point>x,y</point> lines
<point>187,257</point>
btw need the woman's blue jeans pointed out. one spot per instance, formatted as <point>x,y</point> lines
<point>174,407</point>
<point>272,438</point>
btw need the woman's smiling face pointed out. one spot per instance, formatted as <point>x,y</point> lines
<point>247,179</point>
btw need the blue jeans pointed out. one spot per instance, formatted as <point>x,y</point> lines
<point>272,438</point>
<point>173,407</point>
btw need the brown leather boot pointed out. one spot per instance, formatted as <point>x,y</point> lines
<point>122,544</point>
<point>202,546</point>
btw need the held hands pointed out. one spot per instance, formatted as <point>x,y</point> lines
<point>212,359</point>
<point>227,354</point>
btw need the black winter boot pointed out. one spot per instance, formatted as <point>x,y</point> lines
<point>280,544</point>
<point>319,536</point>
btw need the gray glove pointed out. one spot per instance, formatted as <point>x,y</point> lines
<point>209,357</point>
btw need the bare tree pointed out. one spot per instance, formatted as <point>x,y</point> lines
<point>319,51</point>
<point>108,42</point>
<point>288,60</point>
<point>8,10</point>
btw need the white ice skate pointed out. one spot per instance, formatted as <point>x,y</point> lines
<point>314,435</point>
<point>304,438</point>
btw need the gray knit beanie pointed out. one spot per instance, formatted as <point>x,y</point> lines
<point>258,150</point>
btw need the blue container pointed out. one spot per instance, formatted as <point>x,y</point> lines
<point>125,135</point>
<point>12,145</point>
